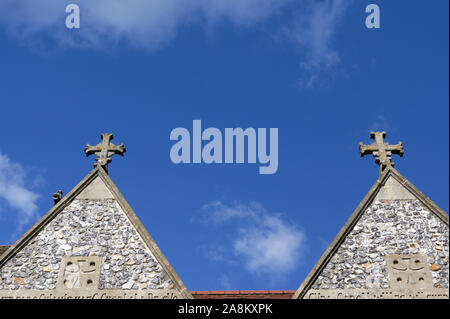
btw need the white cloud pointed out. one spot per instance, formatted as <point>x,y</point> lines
<point>13,189</point>
<point>310,25</point>
<point>265,242</point>
<point>142,23</point>
<point>314,33</point>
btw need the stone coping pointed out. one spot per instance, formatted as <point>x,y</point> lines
<point>435,293</point>
<point>90,294</point>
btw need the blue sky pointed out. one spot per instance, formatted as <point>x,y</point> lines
<point>309,68</point>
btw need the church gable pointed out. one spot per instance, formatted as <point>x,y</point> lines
<point>395,244</point>
<point>89,245</point>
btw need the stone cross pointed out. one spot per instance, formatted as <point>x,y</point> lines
<point>381,150</point>
<point>104,150</point>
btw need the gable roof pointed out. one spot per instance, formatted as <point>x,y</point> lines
<point>97,184</point>
<point>390,185</point>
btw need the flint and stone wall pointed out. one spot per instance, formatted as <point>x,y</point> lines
<point>86,228</point>
<point>402,227</point>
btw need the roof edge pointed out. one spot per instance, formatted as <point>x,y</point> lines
<point>247,292</point>
<point>151,244</point>
<point>428,203</point>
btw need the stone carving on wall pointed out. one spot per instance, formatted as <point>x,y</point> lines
<point>408,271</point>
<point>79,272</point>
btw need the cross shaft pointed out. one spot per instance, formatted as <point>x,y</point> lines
<point>381,150</point>
<point>104,150</point>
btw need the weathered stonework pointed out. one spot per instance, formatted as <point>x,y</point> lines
<point>86,228</point>
<point>433,293</point>
<point>396,227</point>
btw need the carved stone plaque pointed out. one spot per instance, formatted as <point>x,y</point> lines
<point>79,272</point>
<point>408,272</point>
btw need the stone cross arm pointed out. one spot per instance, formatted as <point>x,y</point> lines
<point>381,150</point>
<point>104,150</point>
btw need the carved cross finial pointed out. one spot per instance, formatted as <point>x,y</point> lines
<point>104,150</point>
<point>381,150</point>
